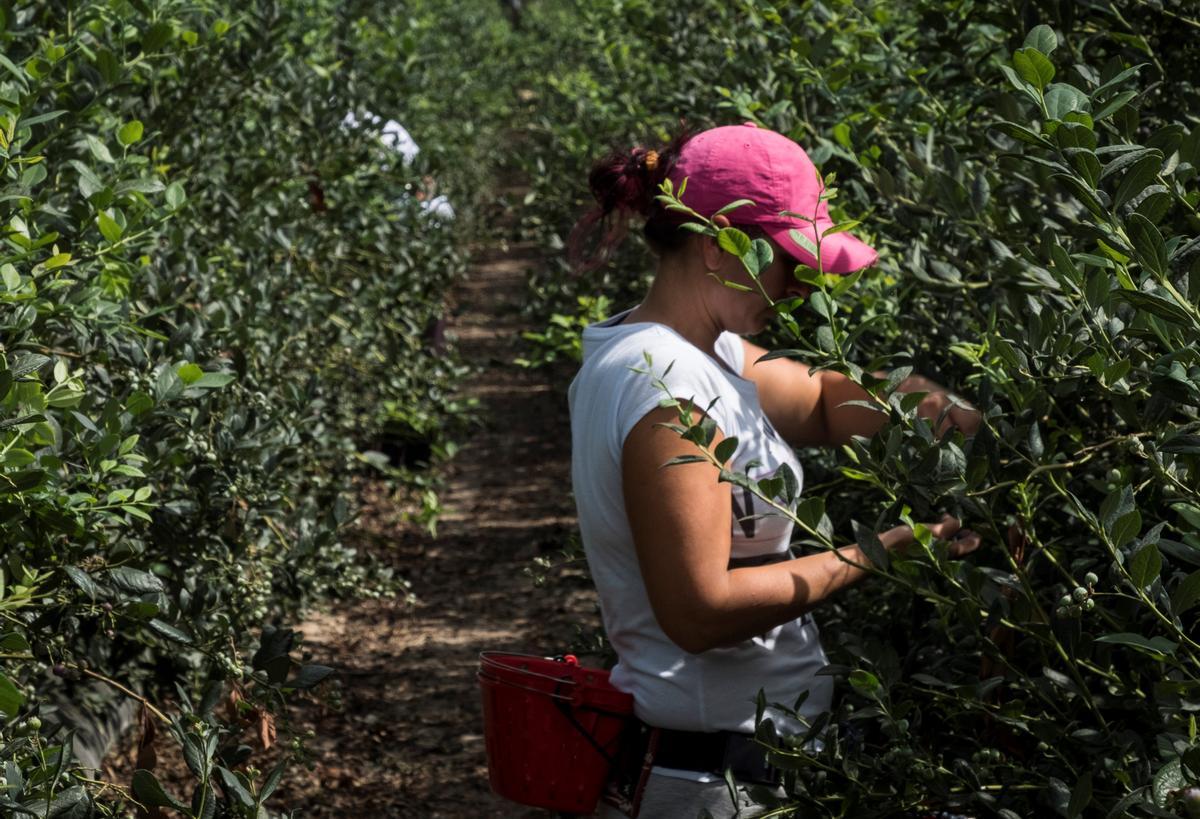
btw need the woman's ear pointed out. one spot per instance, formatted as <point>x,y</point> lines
<point>712,251</point>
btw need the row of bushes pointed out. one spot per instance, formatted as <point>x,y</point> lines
<point>1029,173</point>
<point>220,303</point>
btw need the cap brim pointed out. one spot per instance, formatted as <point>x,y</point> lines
<point>841,253</point>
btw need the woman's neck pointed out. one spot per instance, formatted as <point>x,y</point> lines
<point>676,299</point>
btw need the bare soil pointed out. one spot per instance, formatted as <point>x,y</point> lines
<point>408,738</point>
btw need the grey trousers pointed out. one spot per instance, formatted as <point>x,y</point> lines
<point>669,798</point>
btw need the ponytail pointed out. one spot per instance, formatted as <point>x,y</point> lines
<point>625,184</point>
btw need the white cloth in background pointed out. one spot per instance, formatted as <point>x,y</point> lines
<point>392,134</point>
<point>397,138</point>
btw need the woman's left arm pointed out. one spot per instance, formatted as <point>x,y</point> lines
<point>809,408</point>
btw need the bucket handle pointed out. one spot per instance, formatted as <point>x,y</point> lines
<point>564,704</point>
<point>574,700</point>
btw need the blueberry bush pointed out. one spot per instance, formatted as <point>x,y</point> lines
<point>1029,173</point>
<point>221,299</point>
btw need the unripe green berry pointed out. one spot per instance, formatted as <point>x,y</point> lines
<point>1065,600</point>
<point>1091,579</point>
<point>1089,604</point>
<point>1074,610</point>
<point>1080,594</point>
<point>1061,612</point>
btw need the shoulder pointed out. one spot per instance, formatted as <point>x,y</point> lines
<point>632,372</point>
<point>642,349</point>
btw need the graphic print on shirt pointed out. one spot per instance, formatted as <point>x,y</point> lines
<point>744,516</point>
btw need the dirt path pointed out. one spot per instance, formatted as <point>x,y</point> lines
<point>407,741</point>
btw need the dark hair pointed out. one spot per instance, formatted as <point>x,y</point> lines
<point>625,184</point>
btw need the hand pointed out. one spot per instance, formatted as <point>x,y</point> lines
<point>965,418</point>
<point>962,541</point>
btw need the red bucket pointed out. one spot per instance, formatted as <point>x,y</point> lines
<point>553,729</point>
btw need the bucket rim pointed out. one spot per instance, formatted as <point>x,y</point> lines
<point>490,665</point>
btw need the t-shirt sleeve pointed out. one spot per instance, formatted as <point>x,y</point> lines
<point>685,372</point>
<point>732,352</point>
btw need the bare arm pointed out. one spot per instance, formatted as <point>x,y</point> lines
<point>808,408</point>
<point>681,521</point>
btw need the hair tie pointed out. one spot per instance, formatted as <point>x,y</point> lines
<point>651,160</point>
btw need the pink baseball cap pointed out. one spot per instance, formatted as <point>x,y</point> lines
<point>748,162</point>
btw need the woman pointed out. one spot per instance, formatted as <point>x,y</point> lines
<point>700,597</point>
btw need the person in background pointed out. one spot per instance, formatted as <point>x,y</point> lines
<point>397,138</point>
<point>701,598</point>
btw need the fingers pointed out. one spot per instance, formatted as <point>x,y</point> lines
<point>944,528</point>
<point>964,542</point>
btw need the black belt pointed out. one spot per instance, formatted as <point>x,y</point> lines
<point>716,752</point>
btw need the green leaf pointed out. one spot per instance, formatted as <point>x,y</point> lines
<point>165,629</point>
<point>83,580</point>
<point>1023,134</point>
<point>12,279</point>
<point>99,149</point>
<point>1062,99</point>
<point>273,780</point>
<point>1082,193</point>
<point>1154,645</point>
<point>803,240</point>
<point>1145,566</point>
<point>1127,527</point>
<point>760,258</point>
<point>233,786</point>
<point>130,133</point>
<point>109,227</point>
<point>734,205</point>
<point>865,683</point>
<point>680,460</point>
<point>20,76</point>
<point>13,641</point>
<point>1081,797</point>
<point>190,373</point>
<point>1125,159</point>
<point>1148,244</point>
<point>734,241</point>
<point>135,581</point>
<point>1186,594</point>
<point>725,449</point>
<point>1033,67</point>
<point>1137,178</point>
<point>309,676</point>
<point>870,544</point>
<point>1156,305</point>
<point>1042,38</point>
<point>1115,104</point>
<point>175,196</point>
<point>148,791</point>
<point>841,228</point>
<point>11,699</point>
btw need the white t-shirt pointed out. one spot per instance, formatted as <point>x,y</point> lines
<point>716,689</point>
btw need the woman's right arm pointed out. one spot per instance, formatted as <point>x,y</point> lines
<point>681,519</point>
